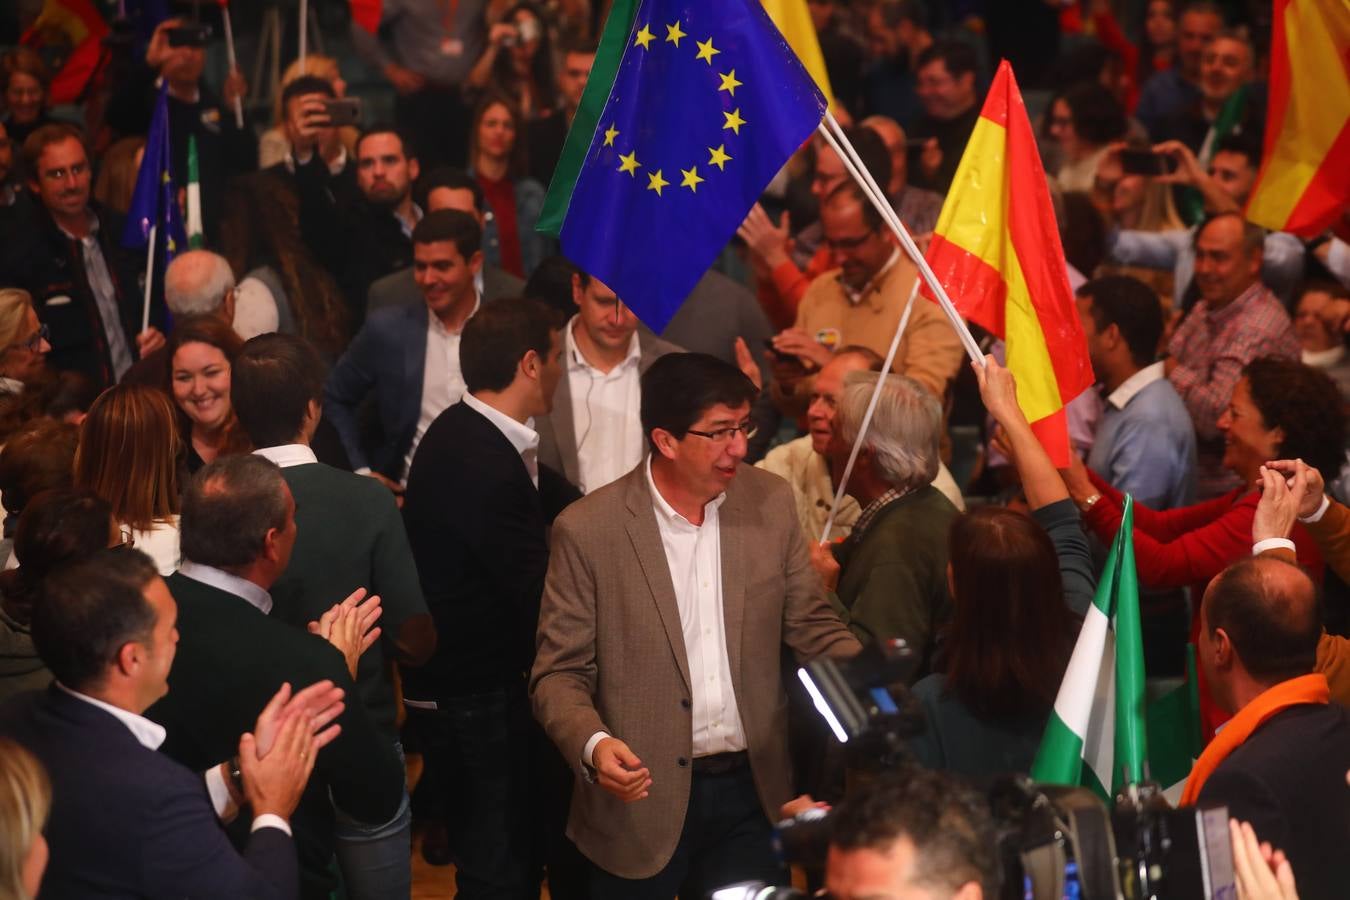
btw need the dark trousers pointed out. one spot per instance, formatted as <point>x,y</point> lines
<point>726,839</point>
<point>436,121</point>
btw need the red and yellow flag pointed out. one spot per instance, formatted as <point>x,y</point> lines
<point>996,251</point>
<point>70,33</point>
<point>1304,183</point>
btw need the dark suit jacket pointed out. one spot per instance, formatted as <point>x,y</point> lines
<point>1288,780</point>
<point>131,822</point>
<point>336,553</point>
<point>399,289</point>
<point>612,655</point>
<point>478,531</point>
<point>42,260</point>
<point>355,241</point>
<point>388,354</point>
<point>231,659</point>
<point>558,431</point>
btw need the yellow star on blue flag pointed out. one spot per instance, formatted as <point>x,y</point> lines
<point>725,128</point>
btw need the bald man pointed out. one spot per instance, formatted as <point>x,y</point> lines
<point>918,209</point>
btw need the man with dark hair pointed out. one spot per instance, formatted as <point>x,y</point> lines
<point>238,530</point>
<point>1235,320</point>
<point>69,256</point>
<point>669,595</point>
<point>478,508</point>
<point>276,389</point>
<point>1145,443</point>
<point>1227,92</point>
<point>409,355</point>
<point>360,239</point>
<point>592,434</point>
<point>1168,92</point>
<point>127,820</point>
<point>308,128</point>
<point>446,188</point>
<point>897,32</point>
<point>946,87</point>
<point>544,135</point>
<point>923,835</point>
<point>861,302</point>
<point>1280,762</point>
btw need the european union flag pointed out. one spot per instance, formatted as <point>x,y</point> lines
<point>707,103</point>
<point>154,203</point>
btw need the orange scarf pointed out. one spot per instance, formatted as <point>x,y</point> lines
<point>1294,692</point>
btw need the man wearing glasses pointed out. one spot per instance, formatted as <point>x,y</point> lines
<point>860,302</point>
<point>668,597</point>
<point>593,435</point>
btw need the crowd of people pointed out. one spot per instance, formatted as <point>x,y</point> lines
<point>375,474</point>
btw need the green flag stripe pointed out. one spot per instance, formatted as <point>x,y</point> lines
<point>613,42</point>
<point>1131,736</point>
<point>1059,759</point>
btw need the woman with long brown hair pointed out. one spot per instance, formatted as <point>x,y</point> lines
<point>128,455</point>
<point>201,351</point>
<point>497,159</point>
<point>1019,583</point>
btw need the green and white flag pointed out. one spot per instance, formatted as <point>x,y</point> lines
<point>1097,733</point>
<point>194,199</point>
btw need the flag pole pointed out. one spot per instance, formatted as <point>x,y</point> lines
<point>149,275</point>
<point>849,157</point>
<point>234,64</point>
<point>304,31</point>
<point>867,415</point>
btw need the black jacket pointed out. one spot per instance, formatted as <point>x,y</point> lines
<point>130,822</point>
<point>1288,781</point>
<point>231,659</point>
<point>40,258</point>
<point>478,530</point>
<point>355,241</point>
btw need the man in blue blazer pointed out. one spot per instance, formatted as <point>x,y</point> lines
<point>409,355</point>
<point>126,820</point>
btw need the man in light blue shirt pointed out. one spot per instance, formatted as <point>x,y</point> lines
<point>1145,444</point>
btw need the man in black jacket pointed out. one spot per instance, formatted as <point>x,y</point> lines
<point>1280,762</point>
<point>478,507</point>
<point>69,256</point>
<point>359,239</point>
<point>127,820</point>
<point>238,528</point>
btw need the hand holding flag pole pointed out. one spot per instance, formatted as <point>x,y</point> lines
<point>230,58</point>
<point>834,135</point>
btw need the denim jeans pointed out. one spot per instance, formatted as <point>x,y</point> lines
<point>376,860</point>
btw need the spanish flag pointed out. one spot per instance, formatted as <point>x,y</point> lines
<point>794,21</point>
<point>996,251</point>
<point>1304,182</point>
<point>69,33</point>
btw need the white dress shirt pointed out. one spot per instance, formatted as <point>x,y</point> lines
<point>521,435</point>
<point>694,555</point>
<point>287,455</point>
<point>242,588</point>
<point>442,380</point>
<point>606,409</point>
<point>151,735</point>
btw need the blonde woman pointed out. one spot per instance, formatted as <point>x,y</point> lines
<point>274,146</point>
<point>25,802</point>
<point>23,341</point>
<point>128,455</point>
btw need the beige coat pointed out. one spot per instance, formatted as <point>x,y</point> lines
<point>612,656</point>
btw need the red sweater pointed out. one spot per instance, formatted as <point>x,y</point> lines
<point>1189,546</point>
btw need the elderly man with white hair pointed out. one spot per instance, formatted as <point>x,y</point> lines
<point>201,283</point>
<point>888,579</point>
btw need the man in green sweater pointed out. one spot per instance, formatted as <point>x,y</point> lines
<point>888,579</point>
<point>350,535</point>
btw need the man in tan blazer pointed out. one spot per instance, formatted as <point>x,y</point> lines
<point>669,593</point>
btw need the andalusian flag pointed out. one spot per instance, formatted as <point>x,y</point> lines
<point>1102,734</point>
<point>794,21</point>
<point>996,250</point>
<point>194,199</point>
<point>1097,730</point>
<point>1304,183</point>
